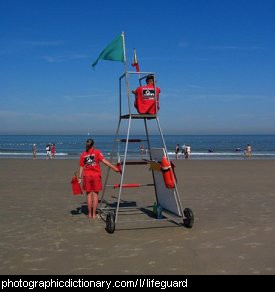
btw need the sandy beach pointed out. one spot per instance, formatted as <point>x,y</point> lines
<point>234,230</point>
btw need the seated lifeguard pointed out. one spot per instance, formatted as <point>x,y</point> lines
<point>146,97</point>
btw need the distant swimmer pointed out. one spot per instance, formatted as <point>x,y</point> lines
<point>187,151</point>
<point>238,149</point>
<point>249,150</point>
<point>141,149</point>
<point>53,151</point>
<point>210,150</point>
<point>177,150</point>
<point>48,151</point>
<point>183,150</point>
<point>34,150</point>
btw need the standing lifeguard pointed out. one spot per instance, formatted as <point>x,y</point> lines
<point>147,96</point>
<point>91,173</point>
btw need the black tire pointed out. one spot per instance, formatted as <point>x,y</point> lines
<point>110,222</point>
<point>189,218</point>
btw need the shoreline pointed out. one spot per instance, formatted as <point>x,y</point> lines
<point>210,147</point>
<point>172,156</point>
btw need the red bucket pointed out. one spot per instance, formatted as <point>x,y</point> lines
<point>76,187</point>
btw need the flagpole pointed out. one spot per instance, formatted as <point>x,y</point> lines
<point>135,63</point>
<point>126,73</point>
<point>124,51</point>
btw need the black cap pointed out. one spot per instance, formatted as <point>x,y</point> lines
<point>150,77</point>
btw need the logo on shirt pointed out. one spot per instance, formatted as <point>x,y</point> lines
<point>148,93</point>
<point>89,160</point>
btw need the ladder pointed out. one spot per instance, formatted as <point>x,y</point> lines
<point>112,214</point>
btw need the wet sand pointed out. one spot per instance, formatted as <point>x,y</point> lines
<point>234,230</point>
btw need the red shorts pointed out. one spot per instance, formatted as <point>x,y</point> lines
<point>92,183</point>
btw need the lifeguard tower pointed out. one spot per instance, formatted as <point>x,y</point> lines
<point>168,205</point>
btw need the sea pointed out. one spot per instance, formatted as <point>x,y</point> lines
<point>203,147</point>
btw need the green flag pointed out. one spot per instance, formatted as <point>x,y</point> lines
<point>113,52</point>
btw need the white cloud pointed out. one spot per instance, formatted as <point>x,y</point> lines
<point>54,43</point>
<point>102,95</point>
<point>51,59</point>
<point>232,47</point>
<point>64,58</point>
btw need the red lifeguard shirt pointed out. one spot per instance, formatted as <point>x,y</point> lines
<point>90,162</point>
<point>145,99</point>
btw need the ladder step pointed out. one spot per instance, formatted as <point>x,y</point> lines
<point>134,163</point>
<point>116,186</point>
<point>131,140</point>
<point>138,116</point>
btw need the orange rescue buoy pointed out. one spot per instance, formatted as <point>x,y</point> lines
<point>167,171</point>
<point>76,187</point>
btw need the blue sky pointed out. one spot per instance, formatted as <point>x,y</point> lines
<point>214,62</point>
